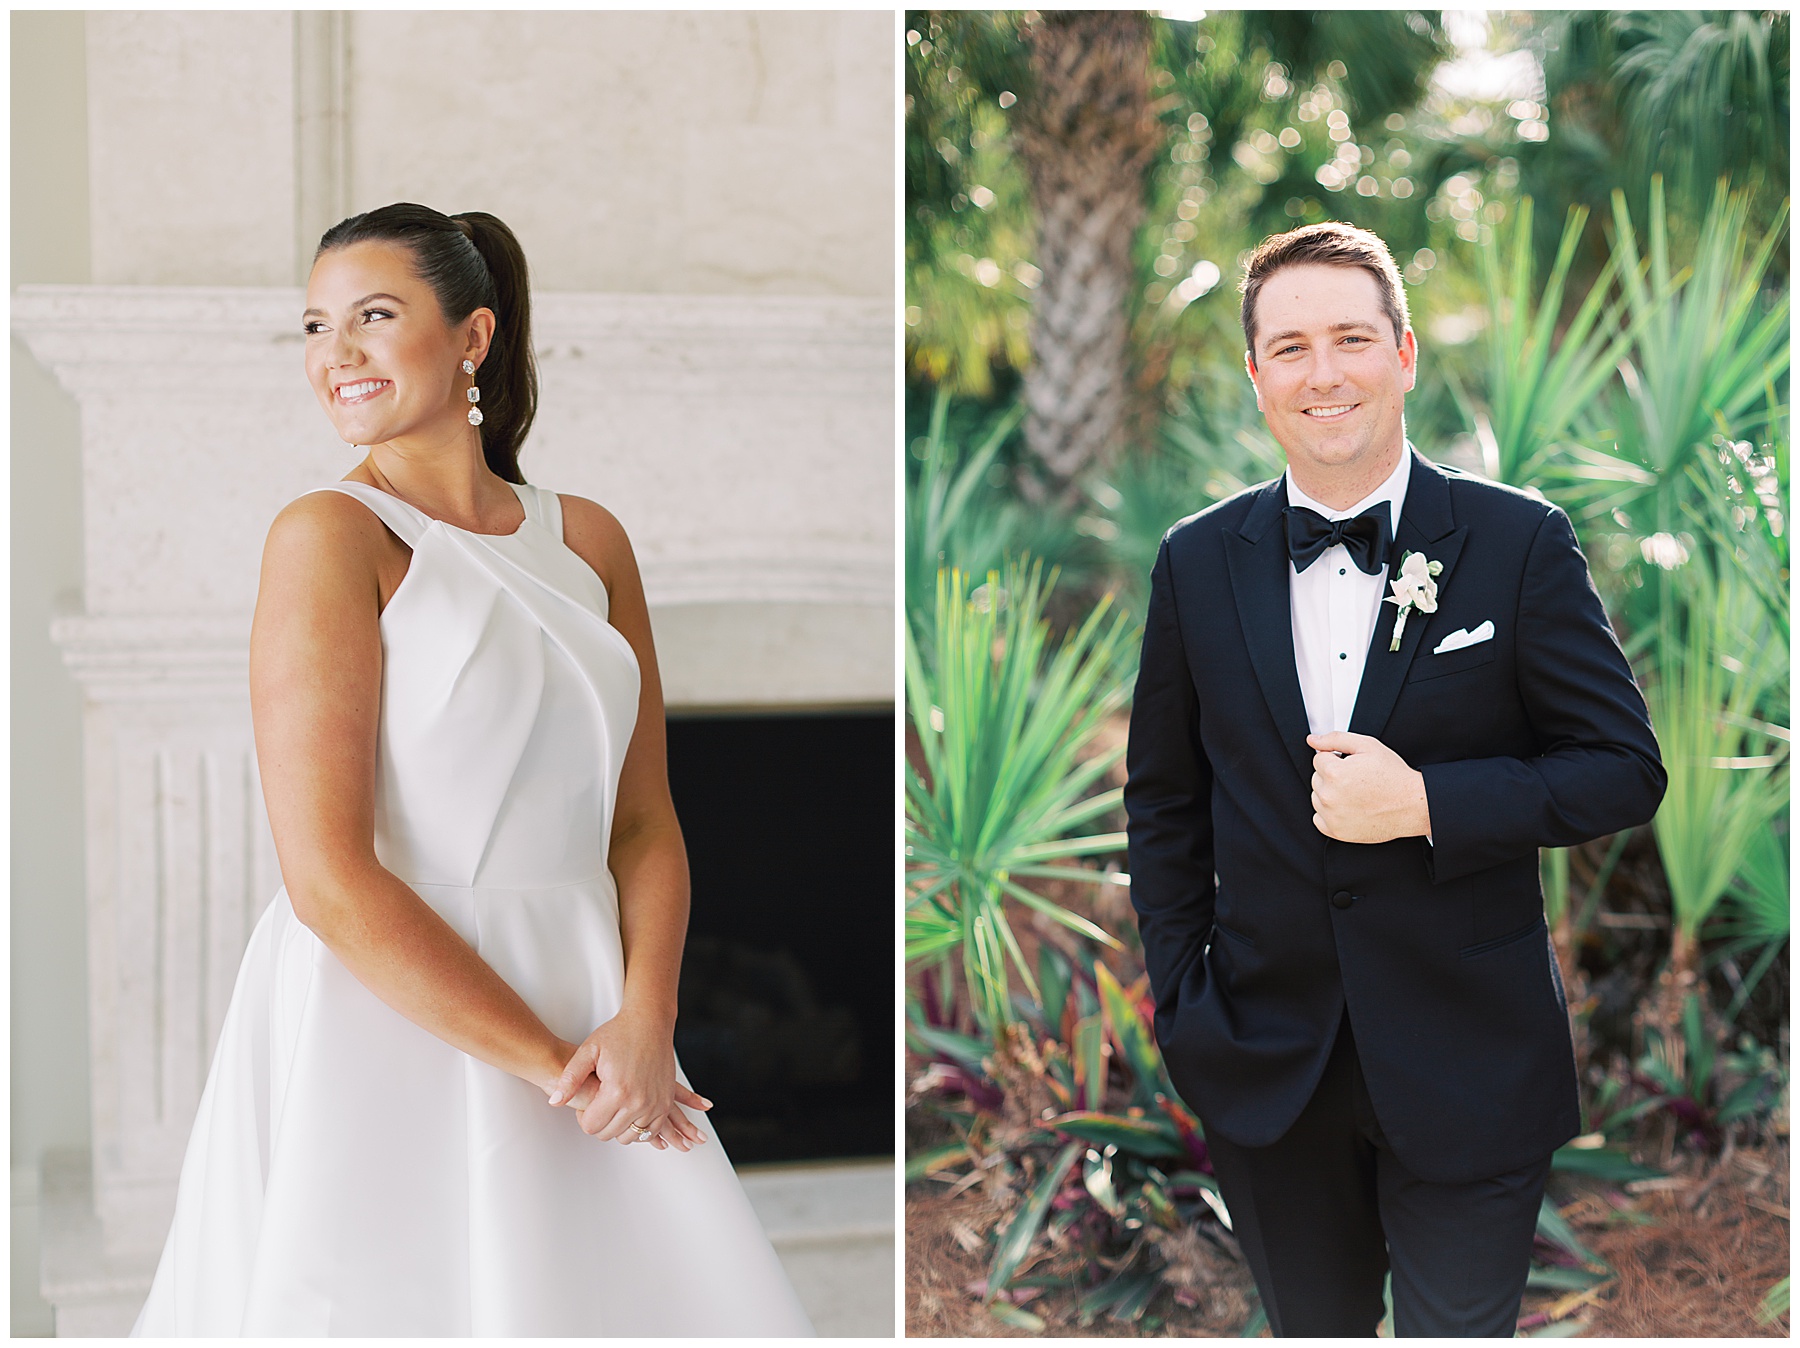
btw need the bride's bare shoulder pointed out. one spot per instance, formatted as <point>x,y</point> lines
<point>595,535</point>
<point>326,536</point>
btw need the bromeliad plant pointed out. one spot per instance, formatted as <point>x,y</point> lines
<point>1682,1073</point>
<point>1070,1121</point>
<point>1008,727</point>
<point>1103,1167</point>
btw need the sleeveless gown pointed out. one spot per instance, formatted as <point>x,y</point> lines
<point>350,1173</point>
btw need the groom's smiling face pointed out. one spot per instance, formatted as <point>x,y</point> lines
<point>1330,377</point>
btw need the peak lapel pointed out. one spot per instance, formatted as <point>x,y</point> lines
<point>1258,560</point>
<point>1427,526</point>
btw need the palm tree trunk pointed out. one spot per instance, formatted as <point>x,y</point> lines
<point>1086,140</point>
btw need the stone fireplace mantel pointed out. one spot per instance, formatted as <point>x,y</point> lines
<point>745,443</point>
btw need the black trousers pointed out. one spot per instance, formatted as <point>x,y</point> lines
<point>1325,1212</point>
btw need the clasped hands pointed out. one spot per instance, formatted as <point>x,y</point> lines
<point>1364,792</point>
<point>623,1075</point>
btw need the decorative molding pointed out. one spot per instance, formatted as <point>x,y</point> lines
<point>126,659</point>
<point>746,442</point>
<point>180,865</point>
<point>710,345</point>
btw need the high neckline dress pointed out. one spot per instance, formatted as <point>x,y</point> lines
<point>349,1172</point>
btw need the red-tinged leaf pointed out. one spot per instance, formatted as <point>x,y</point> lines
<point>1141,1137</point>
<point>1131,1033</point>
<point>1138,994</point>
<point>1090,1063</point>
<point>938,1158</point>
<point>1188,1126</point>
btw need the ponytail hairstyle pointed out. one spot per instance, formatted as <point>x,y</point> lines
<point>471,261</point>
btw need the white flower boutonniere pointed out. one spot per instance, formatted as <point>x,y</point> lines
<point>1414,588</point>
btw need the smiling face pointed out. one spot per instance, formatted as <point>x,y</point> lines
<point>380,357</point>
<point>1330,378</point>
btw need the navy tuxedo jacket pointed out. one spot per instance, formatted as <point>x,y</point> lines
<point>1258,930</point>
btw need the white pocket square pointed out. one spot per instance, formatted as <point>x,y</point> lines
<point>1464,637</point>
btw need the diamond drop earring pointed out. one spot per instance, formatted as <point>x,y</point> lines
<point>474,394</point>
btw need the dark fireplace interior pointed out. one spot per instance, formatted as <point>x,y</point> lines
<point>787,987</point>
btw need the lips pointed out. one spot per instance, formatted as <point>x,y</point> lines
<point>361,391</point>
<point>1329,412</point>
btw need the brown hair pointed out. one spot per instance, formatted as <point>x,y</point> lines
<point>471,261</point>
<point>1332,244</point>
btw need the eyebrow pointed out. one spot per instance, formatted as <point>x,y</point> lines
<point>1352,326</point>
<point>378,295</point>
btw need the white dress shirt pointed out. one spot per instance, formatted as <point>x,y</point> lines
<point>1333,607</point>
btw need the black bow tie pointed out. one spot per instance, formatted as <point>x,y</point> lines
<point>1366,537</point>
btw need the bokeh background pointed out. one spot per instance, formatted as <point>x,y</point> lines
<point>706,201</point>
<point>1590,211</point>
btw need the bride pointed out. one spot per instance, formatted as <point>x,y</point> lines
<point>412,1125</point>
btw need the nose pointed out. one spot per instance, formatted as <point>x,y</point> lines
<point>1323,371</point>
<point>341,350</point>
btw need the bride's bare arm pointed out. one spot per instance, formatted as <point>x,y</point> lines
<point>648,859</point>
<point>315,684</point>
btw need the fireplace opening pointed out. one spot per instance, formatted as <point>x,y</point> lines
<point>787,985</point>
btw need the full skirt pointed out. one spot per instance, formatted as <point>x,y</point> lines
<point>350,1173</point>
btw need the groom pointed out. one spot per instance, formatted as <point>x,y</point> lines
<point>1336,805</point>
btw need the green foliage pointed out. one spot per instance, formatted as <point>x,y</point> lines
<point>1719,656</point>
<point>1137,1145</point>
<point>1691,95</point>
<point>1775,1303</point>
<point>1553,1227</point>
<point>1538,383</point>
<point>1006,727</point>
<point>954,515</point>
<point>1026,1224</point>
<point>966,200</point>
<point>1141,1153</point>
<point>1707,1091</point>
<point>1708,352</point>
<point>1226,87</point>
<point>1214,446</point>
<point>1553,872</point>
<point>1603,1163</point>
<point>1759,911</point>
<point>1703,93</point>
<point>1760,888</point>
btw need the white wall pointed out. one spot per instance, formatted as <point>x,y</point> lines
<point>649,153</point>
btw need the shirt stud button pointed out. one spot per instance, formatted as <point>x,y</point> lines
<point>1340,571</point>
<point>1343,655</point>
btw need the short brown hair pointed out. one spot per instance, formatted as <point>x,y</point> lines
<point>1332,244</point>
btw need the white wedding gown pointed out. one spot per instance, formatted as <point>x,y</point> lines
<point>350,1173</point>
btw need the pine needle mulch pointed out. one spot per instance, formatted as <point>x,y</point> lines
<point>1702,1264</point>
<point>946,1263</point>
<point>1694,1260</point>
